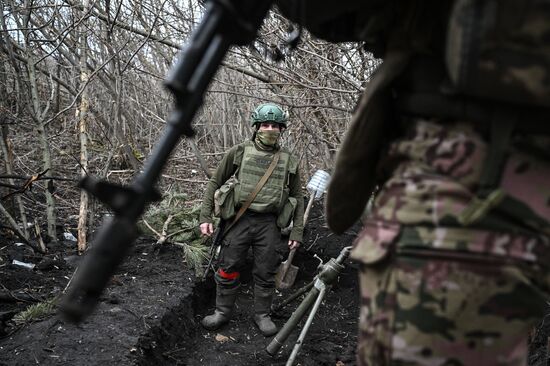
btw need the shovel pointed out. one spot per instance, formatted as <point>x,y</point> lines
<point>286,275</point>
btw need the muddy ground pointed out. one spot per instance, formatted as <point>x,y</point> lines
<point>151,310</point>
<point>150,313</point>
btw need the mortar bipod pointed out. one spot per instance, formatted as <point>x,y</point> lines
<point>328,274</point>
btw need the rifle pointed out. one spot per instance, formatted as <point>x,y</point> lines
<point>225,23</point>
<point>214,248</point>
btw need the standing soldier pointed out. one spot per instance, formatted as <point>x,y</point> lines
<point>454,127</point>
<point>267,208</point>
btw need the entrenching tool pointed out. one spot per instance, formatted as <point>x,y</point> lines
<point>286,275</point>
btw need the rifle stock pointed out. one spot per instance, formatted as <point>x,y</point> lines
<point>225,23</point>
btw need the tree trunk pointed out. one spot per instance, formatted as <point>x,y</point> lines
<point>47,165</point>
<point>8,161</point>
<point>42,132</point>
<point>39,118</point>
<point>82,113</point>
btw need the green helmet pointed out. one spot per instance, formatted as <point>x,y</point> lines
<point>269,112</point>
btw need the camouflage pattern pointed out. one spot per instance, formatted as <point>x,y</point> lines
<point>435,292</point>
<point>440,169</point>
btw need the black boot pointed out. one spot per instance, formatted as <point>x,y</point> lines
<point>225,303</point>
<point>262,306</point>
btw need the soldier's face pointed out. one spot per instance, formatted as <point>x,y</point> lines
<point>269,126</point>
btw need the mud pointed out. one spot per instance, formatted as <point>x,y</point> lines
<point>146,287</point>
<point>331,340</point>
<point>150,312</point>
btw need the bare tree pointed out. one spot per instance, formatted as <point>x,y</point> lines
<point>95,69</point>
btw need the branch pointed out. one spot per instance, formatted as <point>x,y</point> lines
<point>15,228</point>
<point>163,41</point>
<point>150,227</point>
<point>43,71</point>
<point>42,177</point>
<point>163,236</point>
<point>29,181</point>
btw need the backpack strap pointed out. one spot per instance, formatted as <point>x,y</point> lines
<point>489,195</point>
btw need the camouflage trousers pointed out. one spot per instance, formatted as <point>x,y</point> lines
<point>437,291</point>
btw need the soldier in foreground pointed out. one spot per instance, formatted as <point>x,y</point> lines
<point>454,127</point>
<point>267,208</point>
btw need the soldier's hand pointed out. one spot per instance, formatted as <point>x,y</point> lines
<point>207,228</point>
<point>293,244</point>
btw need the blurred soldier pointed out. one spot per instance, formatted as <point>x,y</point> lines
<point>277,202</point>
<point>454,127</point>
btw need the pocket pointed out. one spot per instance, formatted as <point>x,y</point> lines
<point>376,242</point>
<point>224,199</point>
<point>287,212</point>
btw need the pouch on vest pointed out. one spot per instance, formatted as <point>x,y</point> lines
<point>499,49</point>
<point>224,199</point>
<point>287,212</point>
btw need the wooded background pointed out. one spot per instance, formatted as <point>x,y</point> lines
<point>81,86</point>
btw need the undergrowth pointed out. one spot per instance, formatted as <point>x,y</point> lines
<point>181,224</point>
<point>36,312</point>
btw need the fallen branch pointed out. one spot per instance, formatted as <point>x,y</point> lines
<point>8,296</point>
<point>39,236</point>
<point>163,236</point>
<point>15,228</point>
<point>150,227</point>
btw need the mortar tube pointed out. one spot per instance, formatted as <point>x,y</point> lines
<point>275,345</point>
<point>305,329</point>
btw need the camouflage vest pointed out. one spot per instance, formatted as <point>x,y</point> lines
<point>252,167</point>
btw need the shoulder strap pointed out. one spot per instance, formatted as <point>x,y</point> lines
<point>256,190</point>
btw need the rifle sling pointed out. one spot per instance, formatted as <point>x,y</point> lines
<point>256,190</point>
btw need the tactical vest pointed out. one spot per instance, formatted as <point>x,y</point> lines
<point>252,167</point>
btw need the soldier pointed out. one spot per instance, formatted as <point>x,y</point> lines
<point>454,128</point>
<point>277,202</point>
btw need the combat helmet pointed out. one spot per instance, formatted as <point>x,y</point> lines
<point>269,112</point>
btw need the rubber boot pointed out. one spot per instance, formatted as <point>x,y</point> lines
<point>262,306</point>
<point>225,304</point>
